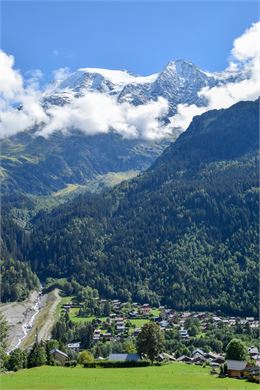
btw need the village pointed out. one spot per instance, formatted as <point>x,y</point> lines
<point>123,321</point>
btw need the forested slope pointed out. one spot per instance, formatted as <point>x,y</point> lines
<point>185,233</point>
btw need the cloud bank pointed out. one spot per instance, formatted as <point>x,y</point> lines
<point>21,108</point>
<point>92,114</point>
<point>245,61</point>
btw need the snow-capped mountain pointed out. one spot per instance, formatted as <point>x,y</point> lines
<point>179,82</point>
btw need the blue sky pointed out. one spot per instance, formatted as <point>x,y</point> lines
<point>139,36</point>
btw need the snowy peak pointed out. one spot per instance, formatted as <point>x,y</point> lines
<point>120,77</point>
<point>103,80</point>
<point>179,83</point>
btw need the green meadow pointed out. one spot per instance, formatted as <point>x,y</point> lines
<point>177,376</point>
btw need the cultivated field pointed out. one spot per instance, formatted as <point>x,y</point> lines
<point>177,376</point>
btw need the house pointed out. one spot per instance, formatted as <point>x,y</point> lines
<point>198,359</point>
<point>120,328</point>
<point>165,357</point>
<point>145,309</point>
<point>236,368</point>
<point>107,336</point>
<point>74,346</point>
<point>124,357</point>
<point>213,357</point>
<point>133,313</point>
<point>198,352</point>
<point>184,358</point>
<point>183,333</point>
<point>253,351</point>
<point>164,324</point>
<point>60,356</point>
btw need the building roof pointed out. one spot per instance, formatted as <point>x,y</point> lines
<point>56,350</point>
<point>184,358</point>
<point>73,345</point>
<point>253,350</point>
<point>123,357</point>
<point>237,365</point>
<point>198,351</point>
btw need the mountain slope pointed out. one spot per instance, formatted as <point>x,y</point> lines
<point>36,165</point>
<point>185,233</point>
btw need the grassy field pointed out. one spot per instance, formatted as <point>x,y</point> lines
<point>73,314</point>
<point>139,322</point>
<point>177,376</point>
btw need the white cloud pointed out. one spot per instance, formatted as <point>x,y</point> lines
<point>13,93</point>
<point>11,82</point>
<point>93,113</point>
<point>98,113</point>
<point>60,74</point>
<point>245,60</point>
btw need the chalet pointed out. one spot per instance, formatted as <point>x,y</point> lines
<point>236,368</point>
<point>74,346</point>
<point>253,351</point>
<point>107,336</point>
<point>120,328</point>
<point>165,357</point>
<point>199,359</point>
<point>184,358</point>
<point>184,333</point>
<point>164,324</point>
<point>145,309</point>
<point>198,352</point>
<point>124,357</point>
<point>58,355</point>
<point>198,356</point>
<point>133,314</point>
<point>96,337</point>
<point>214,357</point>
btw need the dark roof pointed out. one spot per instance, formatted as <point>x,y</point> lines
<point>56,350</point>
<point>123,357</point>
<point>237,365</point>
<point>184,358</point>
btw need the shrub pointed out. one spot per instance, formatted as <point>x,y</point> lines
<point>117,364</point>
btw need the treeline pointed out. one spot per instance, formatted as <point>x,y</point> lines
<point>17,280</point>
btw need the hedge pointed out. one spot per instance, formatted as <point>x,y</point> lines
<point>117,364</point>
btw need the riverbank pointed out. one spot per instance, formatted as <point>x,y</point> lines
<point>38,311</point>
<point>45,319</point>
<point>20,317</point>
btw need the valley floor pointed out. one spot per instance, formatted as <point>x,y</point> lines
<point>18,315</point>
<point>177,376</point>
<point>21,314</point>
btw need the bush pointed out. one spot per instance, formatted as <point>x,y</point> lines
<point>71,363</point>
<point>85,357</point>
<point>117,364</point>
